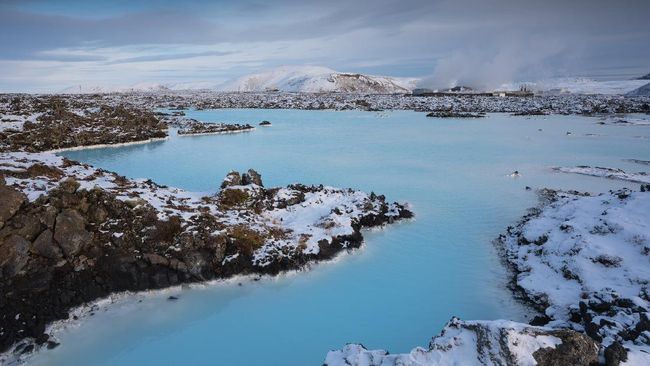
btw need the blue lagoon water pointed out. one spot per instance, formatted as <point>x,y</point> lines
<point>409,278</point>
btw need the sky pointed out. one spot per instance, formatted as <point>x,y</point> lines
<point>47,46</point>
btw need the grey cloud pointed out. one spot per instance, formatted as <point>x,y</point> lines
<point>164,57</point>
<point>479,41</point>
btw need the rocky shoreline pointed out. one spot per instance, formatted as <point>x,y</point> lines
<point>199,128</point>
<point>498,342</point>
<point>592,254</point>
<point>70,234</point>
<point>49,123</point>
<point>192,127</point>
<point>609,106</point>
<point>582,262</point>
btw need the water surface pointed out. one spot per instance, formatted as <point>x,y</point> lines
<point>407,281</point>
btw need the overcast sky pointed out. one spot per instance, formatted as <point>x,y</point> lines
<point>51,45</point>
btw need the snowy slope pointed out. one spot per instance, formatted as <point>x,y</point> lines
<point>316,79</point>
<point>643,90</point>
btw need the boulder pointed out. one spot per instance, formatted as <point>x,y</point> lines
<point>13,255</point>
<point>48,217</point>
<point>156,259</point>
<point>27,226</point>
<point>232,179</point>
<point>615,353</point>
<point>97,214</point>
<point>70,232</point>
<point>69,185</point>
<point>251,177</point>
<point>575,349</point>
<point>45,246</point>
<point>10,202</point>
<point>197,264</point>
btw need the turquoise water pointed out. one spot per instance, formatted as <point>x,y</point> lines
<point>407,281</point>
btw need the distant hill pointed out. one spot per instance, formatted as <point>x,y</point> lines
<point>644,77</point>
<point>317,79</point>
<point>141,87</point>
<point>642,91</point>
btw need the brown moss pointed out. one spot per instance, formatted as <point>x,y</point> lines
<point>233,197</point>
<point>246,239</point>
<point>166,231</point>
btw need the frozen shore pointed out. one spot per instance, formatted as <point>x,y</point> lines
<point>72,233</point>
<point>610,173</point>
<point>584,262</point>
<point>498,342</point>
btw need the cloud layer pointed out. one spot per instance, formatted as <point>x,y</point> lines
<point>47,46</point>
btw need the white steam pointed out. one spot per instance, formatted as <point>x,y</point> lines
<point>495,63</point>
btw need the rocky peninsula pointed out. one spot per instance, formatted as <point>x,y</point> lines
<point>71,233</point>
<point>582,261</point>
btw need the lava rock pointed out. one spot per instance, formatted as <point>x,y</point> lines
<point>10,202</point>
<point>70,232</point>
<point>69,185</point>
<point>615,353</point>
<point>575,349</point>
<point>14,254</point>
<point>44,246</point>
<point>252,177</point>
<point>232,179</point>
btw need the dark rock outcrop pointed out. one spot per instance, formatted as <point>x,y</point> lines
<point>455,114</point>
<point>63,123</point>
<point>10,203</point>
<point>251,177</point>
<point>575,349</point>
<point>72,246</point>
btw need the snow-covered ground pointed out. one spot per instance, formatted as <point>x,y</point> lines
<point>585,260</point>
<point>306,217</point>
<point>643,90</point>
<point>15,122</point>
<point>498,342</point>
<point>611,173</point>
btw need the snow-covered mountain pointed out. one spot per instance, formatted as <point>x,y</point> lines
<point>317,79</point>
<point>641,91</point>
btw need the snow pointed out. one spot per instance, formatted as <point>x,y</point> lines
<point>643,90</point>
<point>459,344</point>
<point>16,122</point>
<point>326,213</point>
<point>317,79</point>
<point>586,249</point>
<point>611,173</point>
